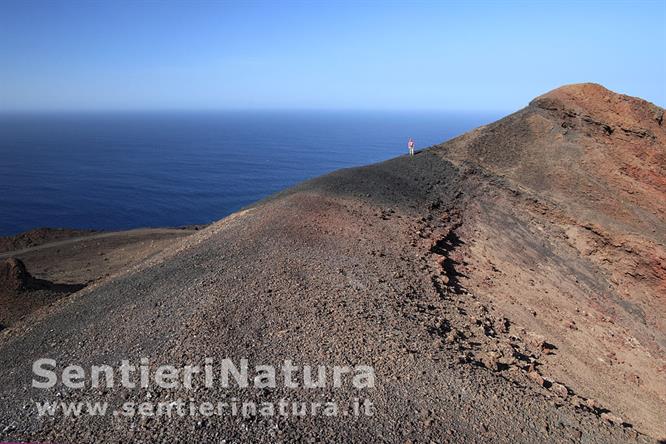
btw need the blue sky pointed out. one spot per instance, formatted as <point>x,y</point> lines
<point>332,55</point>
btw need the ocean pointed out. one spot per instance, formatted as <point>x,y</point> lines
<point>121,170</point>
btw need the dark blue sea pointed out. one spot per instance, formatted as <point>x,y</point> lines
<point>116,171</point>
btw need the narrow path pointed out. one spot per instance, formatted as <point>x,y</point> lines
<point>128,233</point>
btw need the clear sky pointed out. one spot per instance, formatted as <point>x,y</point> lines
<point>489,55</point>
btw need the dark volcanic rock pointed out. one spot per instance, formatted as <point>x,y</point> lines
<point>14,276</point>
<point>21,293</point>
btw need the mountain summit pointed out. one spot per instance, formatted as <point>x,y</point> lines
<point>599,152</point>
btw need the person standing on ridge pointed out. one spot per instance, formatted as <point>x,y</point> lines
<point>410,145</point>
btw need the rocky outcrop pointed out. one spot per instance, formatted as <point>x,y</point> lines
<point>14,276</point>
<point>22,293</point>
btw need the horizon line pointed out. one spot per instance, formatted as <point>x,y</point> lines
<point>269,109</point>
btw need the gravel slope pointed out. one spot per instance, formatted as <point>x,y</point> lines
<point>350,268</point>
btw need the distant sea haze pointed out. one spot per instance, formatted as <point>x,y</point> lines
<point>114,171</point>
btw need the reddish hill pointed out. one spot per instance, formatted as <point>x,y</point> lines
<point>567,236</point>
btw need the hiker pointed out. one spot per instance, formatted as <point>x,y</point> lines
<point>410,145</point>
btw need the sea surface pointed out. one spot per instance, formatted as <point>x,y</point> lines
<point>125,170</point>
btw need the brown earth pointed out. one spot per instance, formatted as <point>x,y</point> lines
<point>21,293</point>
<point>39,236</point>
<point>571,245</point>
<point>506,286</point>
<point>47,264</point>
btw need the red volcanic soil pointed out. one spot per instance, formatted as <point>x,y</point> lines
<point>568,239</point>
